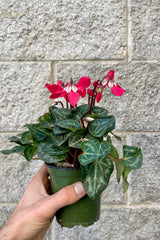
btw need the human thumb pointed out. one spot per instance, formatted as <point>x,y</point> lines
<point>66,196</point>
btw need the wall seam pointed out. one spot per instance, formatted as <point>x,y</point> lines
<point>129,31</point>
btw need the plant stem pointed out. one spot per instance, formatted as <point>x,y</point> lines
<point>113,159</point>
<point>93,97</point>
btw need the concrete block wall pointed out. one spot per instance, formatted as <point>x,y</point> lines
<point>42,41</point>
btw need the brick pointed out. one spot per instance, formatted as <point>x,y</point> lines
<point>145,181</point>
<point>145,19</point>
<point>23,96</point>
<point>65,29</point>
<point>117,224</point>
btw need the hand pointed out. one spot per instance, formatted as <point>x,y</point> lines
<point>36,209</point>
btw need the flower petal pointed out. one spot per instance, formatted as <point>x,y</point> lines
<point>59,82</point>
<point>110,75</point>
<point>54,88</point>
<point>99,96</point>
<point>117,90</point>
<point>72,98</point>
<point>82,92</point>
<point>84,82</point>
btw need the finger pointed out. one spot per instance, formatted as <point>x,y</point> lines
<point>66,196</point>
<point>40,180</point>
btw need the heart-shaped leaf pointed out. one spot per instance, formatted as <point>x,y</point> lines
<point>132,156</point>
<point>93,150</point>
<point>29,152</point>
<point>50,158</point>
<point>95,176</point>
<point>99,112</point>
<point>61,114</point>
<point>37,132</point>
<point>101,127</point>
<point>16,149</point>
<point>59,139</point>
<point>75,139</point>
<point>25,137</point>
<point>15,139</point>
<point>69,124</point>
<point>50,148</point>
<point>82,111</point>
<point>59,130</point>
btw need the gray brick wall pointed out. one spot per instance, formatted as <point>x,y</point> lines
<point>42,41</point>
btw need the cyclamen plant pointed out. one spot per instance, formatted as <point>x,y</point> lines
<point>79,136</point>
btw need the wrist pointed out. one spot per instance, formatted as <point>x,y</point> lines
<point>7,232</point>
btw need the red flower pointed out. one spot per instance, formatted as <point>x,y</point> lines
<point>70,91</point>
<point>115,88</point>
<point>99,90</point>
<point>56,90</point>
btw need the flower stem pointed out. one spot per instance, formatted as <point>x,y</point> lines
<point>93,97</point>
<point>113,159</point>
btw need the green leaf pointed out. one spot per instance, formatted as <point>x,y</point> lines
<point>120,166</point>
<point>49,158</point>
<point>37,132</point>
<point>123,171</point>
<point>75,139</point>
<point>15,139</point>
<point>59,130</point>
<point>29,152</point>
<point>99,112</point>
<point>117,137</point>
<point>16,149</point>
<point>82,111</point>
<point>125,182</point>
<point>132,156</point>
<point>44,118</point>
<point>50,148</point>
<point>109,139</point>
<point>25,137</point>
<point>101,127</point>
<point>59,139</point>
<point>61,114</point>
<point>69,124</point>
<point>93,150</point>
<point>96,176</point>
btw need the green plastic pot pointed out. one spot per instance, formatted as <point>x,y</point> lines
<point>84,212</point>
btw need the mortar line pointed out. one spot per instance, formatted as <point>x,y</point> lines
<point>24,61</point>
<point>66,60</point>
<point>131,206</point>
<point>11,132</point>
<point>8,204</point>
<point>146,61</point>
<point>136,132</point>
<point>129,31</point>
<point>71,61</point>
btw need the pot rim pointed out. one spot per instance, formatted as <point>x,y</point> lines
<point>62,168</point>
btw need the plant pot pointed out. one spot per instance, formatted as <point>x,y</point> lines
<point>84,212</point>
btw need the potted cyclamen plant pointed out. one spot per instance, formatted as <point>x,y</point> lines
<point>75,144</point>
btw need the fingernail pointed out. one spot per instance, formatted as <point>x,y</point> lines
<point>79,189</point>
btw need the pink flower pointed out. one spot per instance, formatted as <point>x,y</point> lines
<point>115,88</point>
<point>56,90</point>
<point>70,91</point>
<point>99,90</point>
